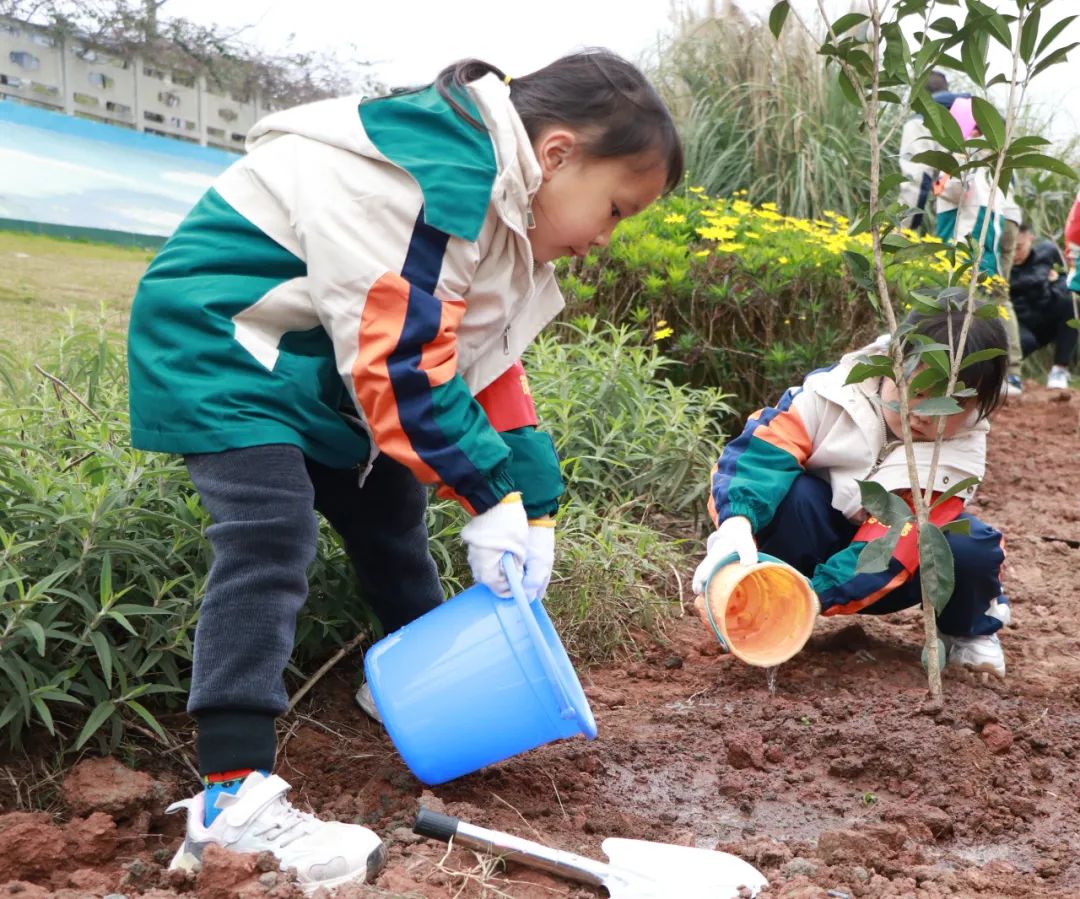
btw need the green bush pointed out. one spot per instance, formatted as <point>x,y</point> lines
<point>103,557</point>
<point>741,297</point>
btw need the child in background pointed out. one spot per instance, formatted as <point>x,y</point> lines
<point>788,486</point>
<point>338,322</point>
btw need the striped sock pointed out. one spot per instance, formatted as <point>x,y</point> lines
<point>216,784</point>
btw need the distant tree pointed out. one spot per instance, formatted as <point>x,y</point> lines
<point>129,27</point>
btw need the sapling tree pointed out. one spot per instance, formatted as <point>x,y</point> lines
<point>882,57</point>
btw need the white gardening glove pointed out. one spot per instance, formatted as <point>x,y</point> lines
<point>733,536</point>
<point>504,528</point>
<point>540,556</point>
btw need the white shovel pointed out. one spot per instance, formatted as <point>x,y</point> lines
<point>637,869</point>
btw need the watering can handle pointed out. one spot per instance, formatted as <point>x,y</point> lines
<point>547,660</point>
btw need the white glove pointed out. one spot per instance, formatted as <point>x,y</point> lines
<point>504,528</point>
<point>733,536</point>
<point>540,557</point>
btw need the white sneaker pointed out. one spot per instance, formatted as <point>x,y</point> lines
<point>1058,378</point>
<point>977,653</point>
<point>366,701</point>
<point>1013,386</point>
<point>258,818</point>
<point>1001,610</point>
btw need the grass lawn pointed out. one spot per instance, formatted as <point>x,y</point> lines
<point>46,279</point>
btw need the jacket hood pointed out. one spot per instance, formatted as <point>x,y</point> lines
<point>457,166</point>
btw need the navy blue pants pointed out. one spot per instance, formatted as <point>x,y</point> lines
<point>262,501</point>
<point>1051,325</point>
<point>806,530</point>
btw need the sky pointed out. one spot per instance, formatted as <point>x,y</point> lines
<point>409,41</point>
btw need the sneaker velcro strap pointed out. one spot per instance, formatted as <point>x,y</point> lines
<point>254,800</point>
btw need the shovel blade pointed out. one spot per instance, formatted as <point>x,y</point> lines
<point>640,869</point>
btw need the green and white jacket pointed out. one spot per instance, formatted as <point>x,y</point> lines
<point>348,287</point>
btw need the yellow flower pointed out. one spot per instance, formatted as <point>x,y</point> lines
<point>697,190</point>
<point>661,333</point>
<point>730,247</point>
<point>753,235</point>
<point>1003,312</point>
<point>674,219</point>
<point>783,260</point>
<point>702,253</point>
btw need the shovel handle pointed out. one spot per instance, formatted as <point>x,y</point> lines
<point>536,855</point>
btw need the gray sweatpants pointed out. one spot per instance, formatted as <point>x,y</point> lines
<point>262,502</point>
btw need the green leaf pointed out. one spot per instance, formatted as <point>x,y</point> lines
<point>104,655</point>
<point>940,160</point>
<point>150,720</point>
<point>37,634</point>
<point>955,489</point>
<point>973,57</point>
<point>989,121</point>
<point>778,16</point>
<point>980,356</point>
<point>1029,35</point>
<point>996,25</point>
<point>861,371</point>
<point>105,587</point>
<point>859,266</point>
<point>43,713</point>
<point>927,378</point>
<point>886,507</point>
<point>890,182</point>
<point>936,566</point>
<point>876,555</point>
<point>98,717</point>
<point>1044,162</point>
<point>961,526</point>
<point>1052,32</point>
<point>847,22</point>
<point>1058,56</point>
<point>939,405</point>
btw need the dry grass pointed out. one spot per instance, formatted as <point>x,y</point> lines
<point>47,280</point>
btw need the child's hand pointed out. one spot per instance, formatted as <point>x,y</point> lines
<point>733,536</point>
<point>503,528</point>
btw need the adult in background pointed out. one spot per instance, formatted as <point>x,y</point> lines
<point>1043,303</point>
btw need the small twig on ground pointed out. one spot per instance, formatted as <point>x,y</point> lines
<point>562,808</point>
<point>539,835</point>
<point>678,580</point>
<point>327,665</point>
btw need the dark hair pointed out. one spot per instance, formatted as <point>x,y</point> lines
<point>936,82</point>
<point>987,376</point>
<point>596,92</point>
<point>1025,228</point>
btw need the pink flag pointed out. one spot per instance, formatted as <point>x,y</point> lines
<point>961,111</point>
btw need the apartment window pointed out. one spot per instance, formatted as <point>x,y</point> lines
<point>229,115</point>
<point>85,99</point>
<point>184,79</point>
<point>43,40</point>
<point>99,80</point>
<point>168,98</point>
<point>10,80</point>
<point>24,60</point>
<point>118,108</point>
<point>153,73</point>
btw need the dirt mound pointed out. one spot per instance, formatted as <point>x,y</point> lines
<point>845,779</point>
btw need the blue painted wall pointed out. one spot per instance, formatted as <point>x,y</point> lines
<point>60,170</point>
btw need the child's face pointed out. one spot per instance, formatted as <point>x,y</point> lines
<point>924,427</point>
<point>582,199</point>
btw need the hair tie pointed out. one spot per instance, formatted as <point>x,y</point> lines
<point>506,79</point>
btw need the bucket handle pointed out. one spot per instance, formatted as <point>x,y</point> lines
<point>547,660</point>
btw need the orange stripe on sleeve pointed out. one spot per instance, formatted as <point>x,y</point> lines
<point>850,608</point>
<point>787,432</point>
<point>439,358</point>
<point>380,329</point>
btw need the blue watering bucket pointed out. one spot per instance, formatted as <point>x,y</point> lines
<point>475,681</point>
